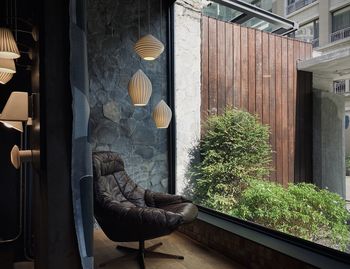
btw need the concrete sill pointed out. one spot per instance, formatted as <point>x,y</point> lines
<point>274,240</point>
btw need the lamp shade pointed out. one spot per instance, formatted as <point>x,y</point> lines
<point>162,115</point>
<point>5,77</point>
<point>7,66</point>
<point>16,108</point>
<point>149,48</point>
<point>140,88</point>
<point>17,125</point>
<point>8,46</point>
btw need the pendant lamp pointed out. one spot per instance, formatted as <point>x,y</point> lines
<point>5,77</point>
<point>7,66</point>
<point>8,46</point>
<point>162,115</point>
<point>17,125</point>
<point>140,88</point>
<point>149,48</point>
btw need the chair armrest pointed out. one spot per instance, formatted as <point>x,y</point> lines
<point>155,217</point>
<point>158,199</point>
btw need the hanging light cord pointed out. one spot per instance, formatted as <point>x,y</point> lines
<point>161,20</point>
<point>139,19</point>
<point>15,19</point>
<point>149,17</point>
<point>7,12</point>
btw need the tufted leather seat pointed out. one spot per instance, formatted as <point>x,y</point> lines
<point>127,212</point>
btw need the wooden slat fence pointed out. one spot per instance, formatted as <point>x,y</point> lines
<point>256,71</point>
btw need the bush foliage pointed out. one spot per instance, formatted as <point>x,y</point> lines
<point>235,149</point>
<point>235,157</point>
<point>301,210</point>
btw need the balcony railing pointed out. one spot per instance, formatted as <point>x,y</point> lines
<point>341,34</point>
<point>340,87</point>
<point>298,4</point>
<point>315,43</point>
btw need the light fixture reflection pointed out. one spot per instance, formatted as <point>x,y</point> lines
<point>162,115</point>
<point>7,66</point>
<point>8,46</point>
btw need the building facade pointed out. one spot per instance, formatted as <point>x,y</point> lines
<point>324,23</point>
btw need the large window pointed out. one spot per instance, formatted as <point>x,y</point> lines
<point>308,32</point>
<point>244,135</point>
<point>340,24</point>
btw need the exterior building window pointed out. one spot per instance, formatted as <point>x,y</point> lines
<point>264,4</point>
<point>340,24</point>
<point>308,32</point>
<point>294,5</point>
<point>341,87</point>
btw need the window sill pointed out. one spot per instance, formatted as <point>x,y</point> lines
<point>308,252</point>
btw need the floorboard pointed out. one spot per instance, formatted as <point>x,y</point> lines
<point>196,255</point>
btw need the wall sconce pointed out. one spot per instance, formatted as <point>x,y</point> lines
<point>140,88</point>
<point>20,156</point>
<point>162,115</point>
<point>16,111</point>
<point>8,46</point>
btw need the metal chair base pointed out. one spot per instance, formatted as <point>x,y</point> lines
<point>141,253</point>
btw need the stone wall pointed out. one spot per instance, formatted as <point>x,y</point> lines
<point>116,125</point>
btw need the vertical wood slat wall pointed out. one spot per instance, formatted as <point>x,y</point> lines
<point>256,71</point>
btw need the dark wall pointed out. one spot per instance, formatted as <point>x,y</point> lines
<point>115,123</point>
<point>13,187</point>
<point>55,238</point>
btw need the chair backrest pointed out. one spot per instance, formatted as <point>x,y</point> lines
<point>112,184</point>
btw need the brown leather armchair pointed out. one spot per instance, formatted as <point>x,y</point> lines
<point>126,212</point>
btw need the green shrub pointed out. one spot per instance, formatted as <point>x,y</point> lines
<point>301,210</point>
<point>228,171</point>
<point>234,149</point>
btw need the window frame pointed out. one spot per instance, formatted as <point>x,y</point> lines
<point>332,18</point>
<point>303,250</point>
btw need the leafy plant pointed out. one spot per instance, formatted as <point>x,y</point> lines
<point>228,171</point>
<point>234,150</point>
<point>301,210</point>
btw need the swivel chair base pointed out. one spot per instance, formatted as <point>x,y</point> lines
<point>141,253</point>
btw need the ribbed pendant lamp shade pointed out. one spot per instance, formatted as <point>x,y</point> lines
<point>162,115</point>
<point>140,88</point>
<point>7,66</point>
<point>5,77</point>
<point>149,48</point>
<point>8,46</point>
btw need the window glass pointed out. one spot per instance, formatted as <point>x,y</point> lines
<point>221,12</point>
<point>264,4</point>
<point>307,32</point>
<point>341,19</point>
<point>260,25</point>
<point>248,138</point>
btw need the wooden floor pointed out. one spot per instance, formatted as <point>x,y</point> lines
<point>196,255</point>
